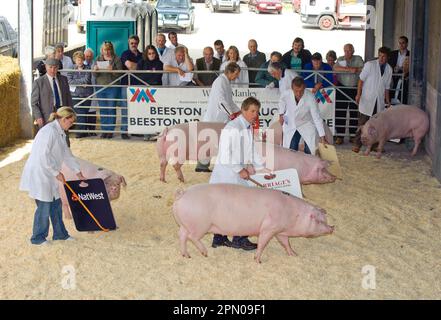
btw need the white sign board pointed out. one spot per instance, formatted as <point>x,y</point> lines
<point>151,109</point>
<point>283,180</point>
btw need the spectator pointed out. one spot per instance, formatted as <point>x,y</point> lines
<point>254,59</point>
<point>173,37</point>
<point>49,93</point>
<point>179,65</point>
<point>113,62</point>
<point>263,77</point>
<point>399,61</point>
<point>233,56</point>
<point>206,63</point>
<point>318,81</point>
<point>49,53</point>
<point>300,118</point>
<point>351,65</point>
<point>373,91</point>
<point>65,60</point>
<point>220,51</point>
<point>164,53</point>
<point>331,59</point>
<point>91,119</point>
<point>79,82</point>
<point>150,61</point>
<point>129,60</point>
<point>298,57</point>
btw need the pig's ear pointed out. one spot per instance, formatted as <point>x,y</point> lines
<point>372,131</point>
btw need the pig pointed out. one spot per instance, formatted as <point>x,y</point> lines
<point>176,143</point>
<point>396,122</point>
<point>311,169</point>
<point>112,181</point>
<point>235,210</point>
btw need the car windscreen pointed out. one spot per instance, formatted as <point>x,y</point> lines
<point>167,4</point>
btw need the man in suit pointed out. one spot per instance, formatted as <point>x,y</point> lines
<point>49,93</point>
<point>254,59</point>
<point>399,61</point>
<point>206,63</point>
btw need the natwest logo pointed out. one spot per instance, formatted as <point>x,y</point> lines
<point>89,196</point>
<point>144,95</point>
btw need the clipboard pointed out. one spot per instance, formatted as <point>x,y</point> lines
<point>329,153</point>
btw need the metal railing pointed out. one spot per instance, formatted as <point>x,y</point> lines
<point>133,78</point>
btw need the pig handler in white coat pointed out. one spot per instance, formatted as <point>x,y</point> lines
<point>220,102</point>
<point>373,91</point>
<point>237,160</point>
<point>300,118</point>
<point>43,169</point>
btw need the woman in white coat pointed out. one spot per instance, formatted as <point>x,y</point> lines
<point>300,118</point>
<point>237,160</point>
<point>233,56</point>
<point>373,90</point>
<point>43,169</point>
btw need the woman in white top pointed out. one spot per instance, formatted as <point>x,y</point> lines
<point>43,169</point>
<point>233,56</point>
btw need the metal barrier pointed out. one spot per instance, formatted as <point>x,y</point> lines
<point>134,79</point>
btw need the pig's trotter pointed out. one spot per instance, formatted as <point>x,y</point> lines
<point>415,148</point>
<point>183,236</point>
<point>284,241</point>
<point>197,242</point>
<point>179,173</point>
<point>163,166</point>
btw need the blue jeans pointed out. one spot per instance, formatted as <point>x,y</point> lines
<point>46,210</point>
<point>124,110</point>
<point>295,143</point>
<point>108,93</point>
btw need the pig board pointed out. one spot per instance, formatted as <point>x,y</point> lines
<point>94,196</point>
<point>329,153</point>
<point>283,180</point>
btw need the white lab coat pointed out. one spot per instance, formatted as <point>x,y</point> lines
<point>236,151</point>
<point>303,117</point>
<point>286,81</point>
<point>49,151</point>
<point>374,86</point>
<point>242,81</point>
<point>221,93</point>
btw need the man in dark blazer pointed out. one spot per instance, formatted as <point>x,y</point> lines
<point>399,61</point>
<point>207,62</point>
<point>254,59</point>
<point>49,93</point>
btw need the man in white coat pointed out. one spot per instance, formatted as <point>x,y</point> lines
<point>300,118</point>
<point>373,91</point>
<point>237,160</point>
<point>43,169</point>
<point>220,102</point>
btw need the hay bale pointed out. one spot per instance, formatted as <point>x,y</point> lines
<point>9,100</point>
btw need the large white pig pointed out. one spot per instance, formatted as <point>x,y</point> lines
<point>235,210</point>
<point>112,180</point>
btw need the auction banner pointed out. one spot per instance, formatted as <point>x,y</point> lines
<point>151,109</point>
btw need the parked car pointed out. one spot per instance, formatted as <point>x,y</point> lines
<point>224,5</point>
<point>259,6</point>
<point>8,39</point>
<point>175,14</point>
<point>296,5</point>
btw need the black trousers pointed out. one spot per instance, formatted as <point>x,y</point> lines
<point>341,106</point>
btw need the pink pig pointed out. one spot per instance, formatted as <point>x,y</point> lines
<point>395,123</point>
<point>112,180</point>
<point>229,209</point>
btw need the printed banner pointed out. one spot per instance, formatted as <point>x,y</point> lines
<point>283,180</point>
<point>150,109</point>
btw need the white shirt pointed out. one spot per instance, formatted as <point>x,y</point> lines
<point>51,82</point>
<point>303,117</point>
<point>242,81</point>
<point>286,81</point>
<point>220,94</point>
<point>163,57</point>
<point>174,78</point>
<point>401,59</point>
<point>236,151</point>
<point>48,153</point>
<point>374,87</point>
<point>224,57</point>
